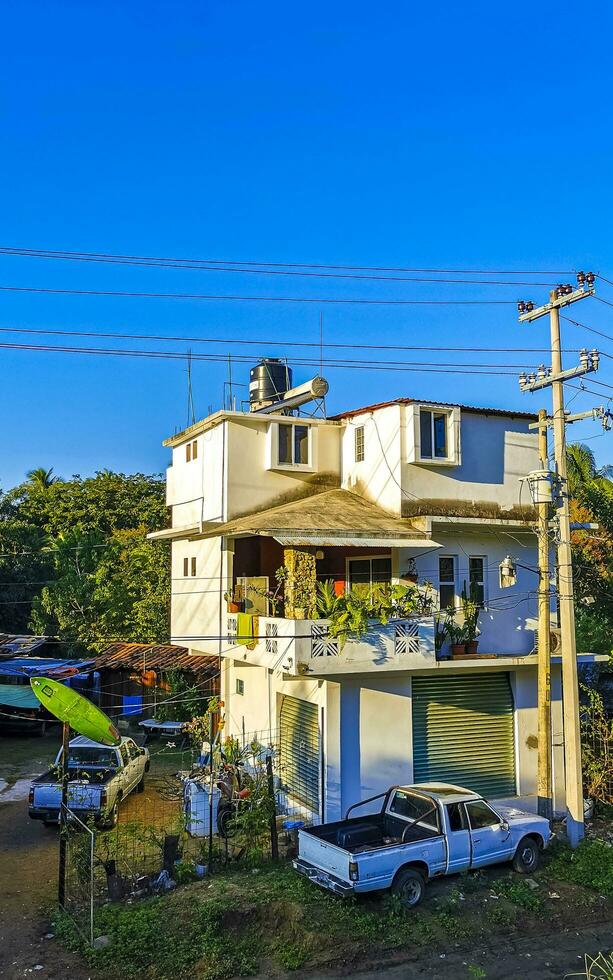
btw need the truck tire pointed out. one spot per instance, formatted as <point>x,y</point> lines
<point>111,818</point>
<point>527,856</point>
<point>225,815</point>
<point>410,886</point>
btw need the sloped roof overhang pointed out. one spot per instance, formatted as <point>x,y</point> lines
<point>331,518</point>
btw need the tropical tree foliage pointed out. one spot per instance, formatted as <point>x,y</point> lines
<point>75,561</point>
<point>591,492</point>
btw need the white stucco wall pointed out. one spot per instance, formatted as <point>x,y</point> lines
<point>195,600</point>
<point>196,490</point>
<point>366,727</point>
<point>252,484</point>
<point>378,477</point>
<point>496,452</point>
<point>507,623</point>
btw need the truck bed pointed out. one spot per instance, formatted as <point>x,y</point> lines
<point>95,777</point>
<point>369,833</point>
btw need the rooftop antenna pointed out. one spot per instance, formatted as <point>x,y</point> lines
<point>191,413</point>
<point>321,357</point>
<point>230,405</point>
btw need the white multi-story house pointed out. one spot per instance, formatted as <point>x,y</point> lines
<point>381,493</point>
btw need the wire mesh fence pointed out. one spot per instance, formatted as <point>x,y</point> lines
<point>192,819</point>
<point>597,748</point>
<point>79,901</point>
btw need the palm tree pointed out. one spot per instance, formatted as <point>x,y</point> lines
<point>582,469</point>
<point>41,479</point>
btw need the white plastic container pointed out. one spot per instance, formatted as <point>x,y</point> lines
<point>197,810</point>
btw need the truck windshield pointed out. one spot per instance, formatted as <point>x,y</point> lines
<point>81,756</point>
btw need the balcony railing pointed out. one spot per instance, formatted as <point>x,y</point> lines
<point>304,646</point>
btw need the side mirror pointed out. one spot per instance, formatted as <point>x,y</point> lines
<point>142,751</point>
<point>505,825</point>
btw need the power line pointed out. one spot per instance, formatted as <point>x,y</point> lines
<point>426,367</point>
<point>279,343</point>
<point>297,272</point>
<point>585,326</point>
<point>259,299</point>
<point>206,264</point>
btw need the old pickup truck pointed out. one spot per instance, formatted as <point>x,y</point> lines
<point>421,832</point>
<point>100,778</point>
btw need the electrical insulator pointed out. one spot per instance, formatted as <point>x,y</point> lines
<point>584,357</point>
<point>595,359</point>
<point>529,306</point>
<point>531,379</point>
<point>521,306</point>
<point>541,372</point>
<point>523,380</point>
<point>591,279</point>
<point>581,278</point>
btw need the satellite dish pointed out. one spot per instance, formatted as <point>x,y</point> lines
<point>75,710</point>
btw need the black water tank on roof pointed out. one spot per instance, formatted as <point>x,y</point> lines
<point>268,381</point>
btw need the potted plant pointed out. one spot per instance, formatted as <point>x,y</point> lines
<point>470,609</point>
<point>439,639</point>
<point>411,571</point>
<point>457,636</point>
<point>233,607</point>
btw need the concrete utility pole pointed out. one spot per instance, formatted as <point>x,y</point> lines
<point>570,677</point>
<point>563,295</point>
<point>545,793</point>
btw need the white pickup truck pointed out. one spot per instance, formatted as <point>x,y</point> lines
<point>100,778</point>
<point>420,832</point>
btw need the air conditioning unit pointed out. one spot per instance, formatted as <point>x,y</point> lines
<point>555,640</point>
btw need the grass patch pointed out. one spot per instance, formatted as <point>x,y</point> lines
<point>516,891</point>
<point>590,865</point>
<point>270,919</point>
<point>453,926</point>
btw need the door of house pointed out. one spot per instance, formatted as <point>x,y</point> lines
<point>463,732</point>
<point>299,745</point>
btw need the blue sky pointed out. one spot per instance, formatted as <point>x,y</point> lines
<point>455,136</point>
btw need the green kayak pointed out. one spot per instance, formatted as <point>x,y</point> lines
<point>82,716</point>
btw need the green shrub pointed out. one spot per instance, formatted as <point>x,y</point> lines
<point>590,865</point>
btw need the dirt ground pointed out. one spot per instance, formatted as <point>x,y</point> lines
<point>28,881</point>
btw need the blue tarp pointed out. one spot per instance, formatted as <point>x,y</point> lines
<point>41,666</point>
<point>18,696</point>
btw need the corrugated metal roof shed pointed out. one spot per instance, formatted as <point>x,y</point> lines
<point>151,656</point>
<point>16,644</point>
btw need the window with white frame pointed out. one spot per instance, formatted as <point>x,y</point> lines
<point>359,444</point>
<point>434,433</point>
<point>447,568</point>
<point>293,447</point>
<point>476,576</point>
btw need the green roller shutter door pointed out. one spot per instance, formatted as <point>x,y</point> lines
<point>463,732</point>
<point>299,750</point>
